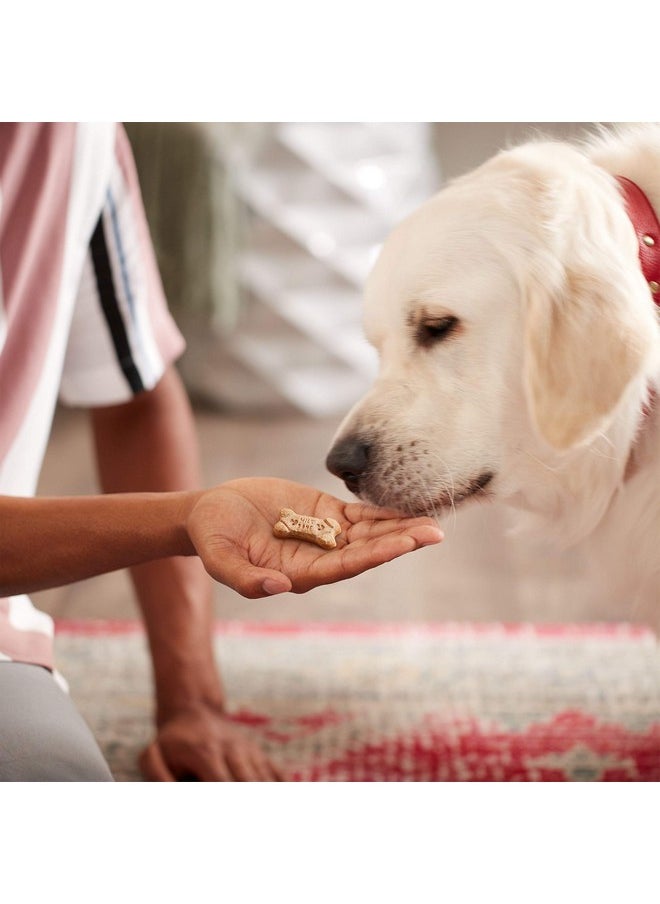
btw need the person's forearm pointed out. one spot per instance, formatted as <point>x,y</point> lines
<point>49,542</point>
<point>150,444</point>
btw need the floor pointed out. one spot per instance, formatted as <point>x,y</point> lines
<point>476,574</point>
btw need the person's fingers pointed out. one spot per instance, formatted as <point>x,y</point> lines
<point>266,770</point>
<point>415,527</point>
<point>236,571</point>
<point>425,534</point>
<point>239,763</point>
<point>279,775</point>
<point>153,766</point>
<point>239,760</point>
<point>357,557</point>
<point>362,511</point>
<point>362,555</point>
<point>213,770</point>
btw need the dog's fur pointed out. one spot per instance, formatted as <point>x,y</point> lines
<point>536,395</point>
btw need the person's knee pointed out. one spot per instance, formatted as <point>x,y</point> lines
<point>67,764</point>
<point>43,738</point>
<point>75,768</point>
<point>59,758</point>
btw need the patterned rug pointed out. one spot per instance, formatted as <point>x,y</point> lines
<point>366,702</point>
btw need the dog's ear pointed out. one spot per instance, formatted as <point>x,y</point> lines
<point>586,338</point>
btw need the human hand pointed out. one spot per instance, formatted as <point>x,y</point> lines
<point>231,528</point>
<point>202,744</point>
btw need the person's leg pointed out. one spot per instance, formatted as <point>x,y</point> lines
<point>43,738</point>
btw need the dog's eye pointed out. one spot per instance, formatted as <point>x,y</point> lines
<point>429,332</point>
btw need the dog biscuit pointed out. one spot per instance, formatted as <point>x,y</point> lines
<point>321,531</point>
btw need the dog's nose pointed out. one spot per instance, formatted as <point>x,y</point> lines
<point>348,459</point>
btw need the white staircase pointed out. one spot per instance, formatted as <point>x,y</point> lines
<point>321,197</point>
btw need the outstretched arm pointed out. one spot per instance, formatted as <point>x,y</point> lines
<point>52,541</point>
<point>48,542</point>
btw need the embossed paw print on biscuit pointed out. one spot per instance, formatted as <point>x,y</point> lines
<point>321,531</point>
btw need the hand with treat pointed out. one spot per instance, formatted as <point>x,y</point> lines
<point>231,528</point>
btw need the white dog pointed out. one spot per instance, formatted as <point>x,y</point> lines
<point>520,352</point>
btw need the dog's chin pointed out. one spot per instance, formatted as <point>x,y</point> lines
<point>413,503</point>
<point>475,487</point>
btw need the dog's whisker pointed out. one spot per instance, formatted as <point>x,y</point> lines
<point>602,453</point>
<point>544,464</point>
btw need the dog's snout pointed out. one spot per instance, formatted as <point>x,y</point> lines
<point>348,459</point>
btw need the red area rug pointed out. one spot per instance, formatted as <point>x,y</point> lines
<point>372,702</point>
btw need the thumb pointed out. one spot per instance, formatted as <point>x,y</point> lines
<point>249,580</point>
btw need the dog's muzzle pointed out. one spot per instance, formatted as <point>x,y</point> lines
<point>349,460</point>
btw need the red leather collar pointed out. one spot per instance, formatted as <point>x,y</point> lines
<point>647,228</point>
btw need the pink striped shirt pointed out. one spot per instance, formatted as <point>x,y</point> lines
<point>82,310</point>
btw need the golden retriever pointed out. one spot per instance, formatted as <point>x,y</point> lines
<point>520,352</point>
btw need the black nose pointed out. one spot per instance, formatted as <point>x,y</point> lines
<point>348,459</point>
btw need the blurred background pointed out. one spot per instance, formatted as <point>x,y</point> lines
<point>265,233</point>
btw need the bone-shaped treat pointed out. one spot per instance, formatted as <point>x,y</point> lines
<point>321,531</point>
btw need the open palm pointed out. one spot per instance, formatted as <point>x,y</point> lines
<point>231,528</point>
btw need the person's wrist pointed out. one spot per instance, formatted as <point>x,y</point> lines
<point>186,675</point>
<point>187,502</point>
<point>196,695</point>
